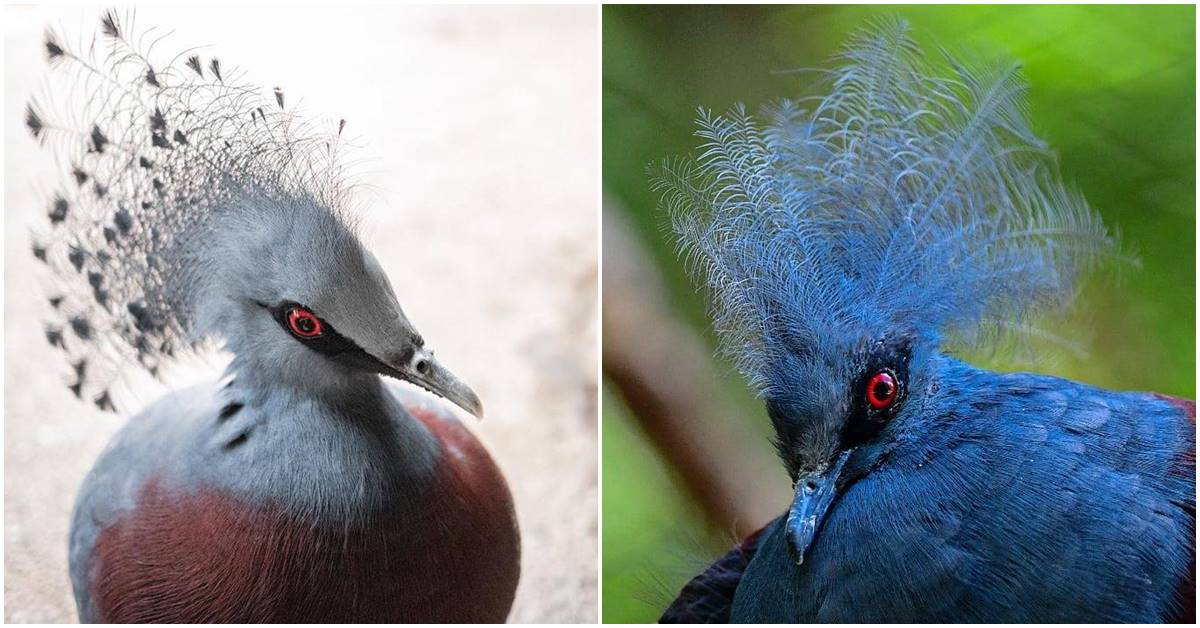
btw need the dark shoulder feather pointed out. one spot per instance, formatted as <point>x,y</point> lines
<point>708,598</point>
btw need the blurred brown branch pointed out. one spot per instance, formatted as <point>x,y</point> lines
<point>663,371</point>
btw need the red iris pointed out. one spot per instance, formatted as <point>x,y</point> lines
<point>303,323</point>
<point>881,390</point>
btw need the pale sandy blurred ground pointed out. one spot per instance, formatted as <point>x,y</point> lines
<point>480,140</point>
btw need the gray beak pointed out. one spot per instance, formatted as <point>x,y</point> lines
<point>815,494</point>
<point>424,371</point>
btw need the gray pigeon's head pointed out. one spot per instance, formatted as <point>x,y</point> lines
<point>297,297</point>
<point>198,208</point>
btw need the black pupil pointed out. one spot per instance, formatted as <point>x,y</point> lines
<point>883,389</point>
<point>305,324</point>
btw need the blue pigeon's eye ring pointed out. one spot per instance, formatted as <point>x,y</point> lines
<point>303,323</point>
<point>882,390</point>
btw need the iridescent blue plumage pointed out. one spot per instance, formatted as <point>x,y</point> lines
<point>1019,498</point>
<point>854,240</point>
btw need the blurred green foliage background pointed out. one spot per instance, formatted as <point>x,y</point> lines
<point>1112,91</point>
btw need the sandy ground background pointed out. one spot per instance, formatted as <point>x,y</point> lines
<point>479,139</point>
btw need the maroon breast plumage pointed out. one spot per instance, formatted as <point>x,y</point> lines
<point>205,556</point>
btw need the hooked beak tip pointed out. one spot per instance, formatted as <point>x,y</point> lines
<point>472,405</point>
<point>801,532</point>
<point>815,497</point>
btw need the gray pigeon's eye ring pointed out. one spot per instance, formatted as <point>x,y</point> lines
<point>304,324</point>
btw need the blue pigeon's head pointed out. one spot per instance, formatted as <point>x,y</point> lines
<point>844,239</point>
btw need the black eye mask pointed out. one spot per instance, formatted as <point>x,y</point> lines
<point>329,343</point>
<point>865,421</point>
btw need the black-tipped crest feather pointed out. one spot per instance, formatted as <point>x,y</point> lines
<point>158,158</point>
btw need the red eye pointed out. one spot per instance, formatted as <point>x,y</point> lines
<point>303,323</point>
<point>881,390</point>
